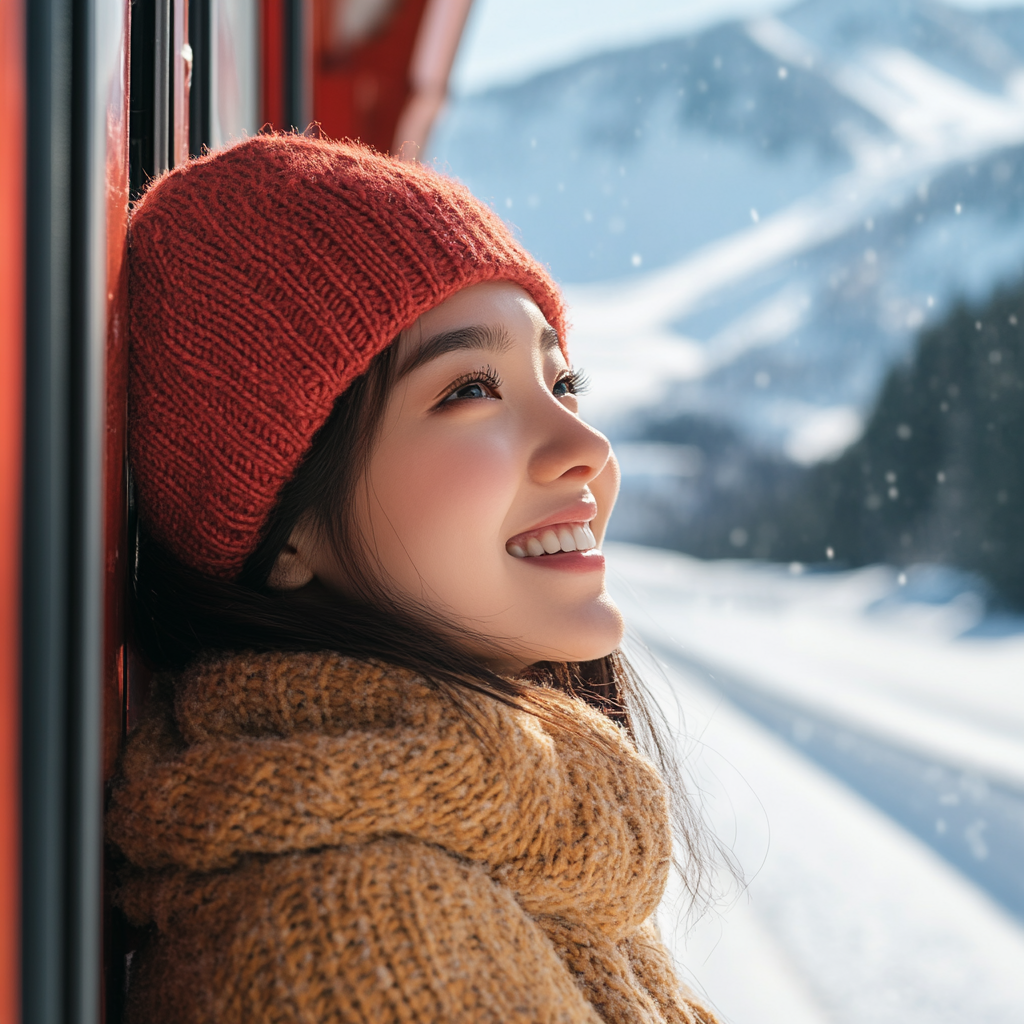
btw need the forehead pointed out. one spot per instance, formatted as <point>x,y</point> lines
<point>492,315</point>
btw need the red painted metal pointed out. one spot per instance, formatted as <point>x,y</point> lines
<point>12,344</point>
<point>384,85</point>
<point>272,62</point>
<point>361,92</point>
<point>429,69</point>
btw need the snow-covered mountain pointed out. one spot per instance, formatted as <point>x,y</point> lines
<point>753,223</point>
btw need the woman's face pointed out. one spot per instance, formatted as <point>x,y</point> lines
<point>486,497</point>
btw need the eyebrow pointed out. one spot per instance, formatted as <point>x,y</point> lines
<point>478,336</point>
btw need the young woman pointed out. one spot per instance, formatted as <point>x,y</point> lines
<point>389,771</point>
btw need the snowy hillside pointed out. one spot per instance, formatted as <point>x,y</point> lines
<point>909,696</point>
<point>754,222</point>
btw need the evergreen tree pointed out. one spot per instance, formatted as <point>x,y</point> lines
<point>938,475</point>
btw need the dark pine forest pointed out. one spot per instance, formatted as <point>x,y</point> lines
<point>938,475</point>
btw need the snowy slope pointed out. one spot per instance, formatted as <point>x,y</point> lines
<point>849,916</point>
<point>754,221</point>
<point>916,662</point>
<point>901,684</point>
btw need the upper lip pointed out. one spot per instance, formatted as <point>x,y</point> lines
<point>582,511</point>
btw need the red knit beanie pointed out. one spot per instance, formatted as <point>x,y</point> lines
<point>263,280</point>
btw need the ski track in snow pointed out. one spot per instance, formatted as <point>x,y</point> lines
<point>848,917</point>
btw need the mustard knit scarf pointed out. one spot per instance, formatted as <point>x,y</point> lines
<point>315,839</point>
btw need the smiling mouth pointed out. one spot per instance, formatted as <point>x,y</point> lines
<point>551,540</point>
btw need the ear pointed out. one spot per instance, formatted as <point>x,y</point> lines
<point>291,571</point>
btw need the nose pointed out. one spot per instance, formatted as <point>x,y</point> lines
<point>566,447</point>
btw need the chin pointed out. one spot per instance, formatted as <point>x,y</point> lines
<point>587,635</point>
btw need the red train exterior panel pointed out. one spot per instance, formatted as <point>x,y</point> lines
<point>12,341</point>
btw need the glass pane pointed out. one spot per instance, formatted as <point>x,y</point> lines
<point>234,107</point>
<point>792,237</point>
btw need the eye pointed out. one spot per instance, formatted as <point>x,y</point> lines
<point>471,386</point>
<point>474,390</point>
<point>572,382</point>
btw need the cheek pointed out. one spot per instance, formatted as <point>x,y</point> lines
<point>441,503</point>
<point>605,487</point>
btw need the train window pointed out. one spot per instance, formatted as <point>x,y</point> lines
<point>792,237</point>
<point>225,97</point>
<point>235,93</point>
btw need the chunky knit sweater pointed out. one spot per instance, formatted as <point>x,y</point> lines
<point>315,839</point>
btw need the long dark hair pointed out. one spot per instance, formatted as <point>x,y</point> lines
<point>178,613</point>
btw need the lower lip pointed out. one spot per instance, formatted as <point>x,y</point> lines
<point>568,561</point>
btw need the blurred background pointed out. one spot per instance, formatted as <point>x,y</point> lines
<point>792,238</point>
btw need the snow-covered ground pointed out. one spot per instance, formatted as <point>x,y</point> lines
<point>910,662</point>
<point>848,916</point>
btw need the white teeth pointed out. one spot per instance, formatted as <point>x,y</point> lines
<point>568,537</point>
<point>549,539</point>
<point>583,537</point>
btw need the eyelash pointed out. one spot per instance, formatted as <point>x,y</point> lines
<point>485,376</point>
<point>575,380</point>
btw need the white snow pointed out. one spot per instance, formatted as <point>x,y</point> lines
<point>509,40</point>
<point>904,672</point>
<point>823,434</point>
<point>626,325</point>
<point>640,304</point>
<point>848,918</point>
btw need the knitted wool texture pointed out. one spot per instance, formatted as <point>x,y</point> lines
<point>317,839</point>
<point>263,280</point>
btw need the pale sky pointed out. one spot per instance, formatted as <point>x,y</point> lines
<point>509,40</point>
